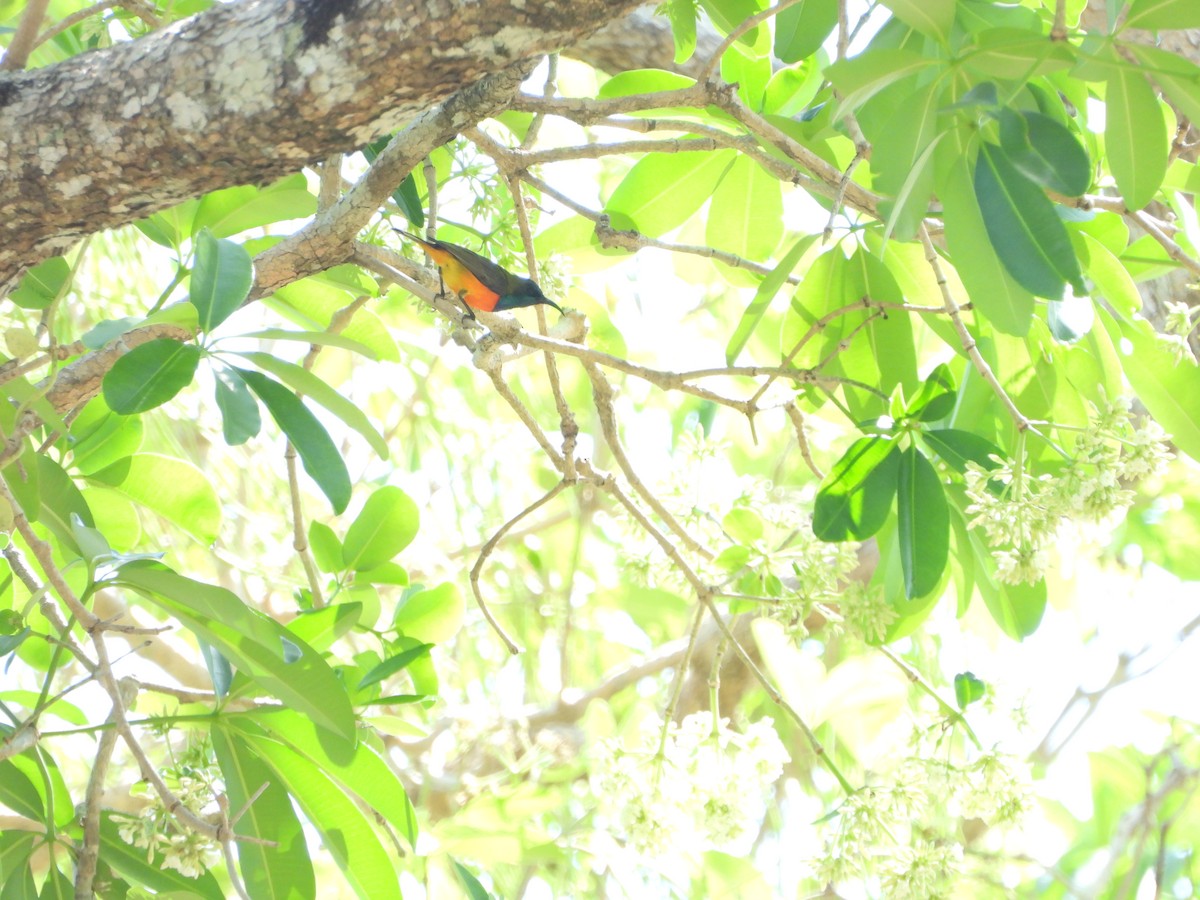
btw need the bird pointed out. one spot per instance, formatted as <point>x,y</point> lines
<point>477,281</point>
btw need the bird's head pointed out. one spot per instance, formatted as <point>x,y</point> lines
<point>525,293</point>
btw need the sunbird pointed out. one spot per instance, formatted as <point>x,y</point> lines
<point>477,281</point>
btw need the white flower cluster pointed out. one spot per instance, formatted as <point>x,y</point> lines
<point>1177,326</point>
<point>1021,521</point>
<point>155,832</point>
<point>704,788</point>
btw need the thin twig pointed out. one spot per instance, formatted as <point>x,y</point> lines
<point>487,551</point>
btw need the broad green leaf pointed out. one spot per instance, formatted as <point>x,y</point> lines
<point>364,773</point>
<point>993,291</point>
<point>800,30</point>
<point>282,868</point>
<point>861,77</point>
<point>729,14</point>
<point>240,416</point>
<point>321,627</point>
<point>170,226</point>
<point>39,287</point>
<point>1029,237</point>
<point>924,524</point>
<point>323,338</point>
<point>253,642</point>
<point>764,295</point>
<point>682,15</point>
<point>326,548</point>
<point>387,524</point>
<point>749,67</point>
<point>19,793</point>
<point>957,448</point>
<point>929,404</point>
<point>302,381</point>
<point>431,616</point>
<point>174,488</point>
<point>60,500</point>
<point>408,195</point>
<point>1017,53</point>
<point>388,573</point>
<point>1110,279</point>
<point>1169,389</point>
<point>1135,136</point>
<point>643,81</point>
<point>1045,152</point>
<point>663,190</point>
<point>15,847</point>
<point>219,669</point>
<point>393,664</point>
<point>312,302</point>
<point>1178,77</point>
<point>931,17</point>
<point>746,215</point>
<point>902,160</point>
<point>856,496</point>
<point>470,884</point>
<point>743,525</point>
<point>109,439</point>
<point>345,831</point>
<point>1163,14</point>
<point>234,210</point>
<point>320,455</point>
<point>791,89</point>
<point>968,689</point>
<point>149,375</point>
<point>221,279</point>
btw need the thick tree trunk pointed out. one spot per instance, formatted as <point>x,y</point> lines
<point>242,94</point>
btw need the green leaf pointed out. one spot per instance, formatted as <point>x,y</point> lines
<point>407,195</point>
<point>1045,152</point>
<point>149,375</point>
<point>1013,54</point>
<point>305,382</point>
<point>311,303</point>
<point>931,17</point>
<point>664,190</point>
<point>743,525</point>
<point>320,455</point>
<point>855,497</point>
<point>1110,279</point>
<point>221,279</point>
<point>240,417</point>
<point>1029,237</point>
<point>364,773</point>
<point>104,440</point>
<point>746,215</point>
<point>174,488</point>
<point>282,868</point>
<point>1135,137</point>
<point>924,524</point>
<point>859,78</point>
<point>1163,14</point>
<point>968,689</point>
<point>764,295</point>
<point>387,524</point>
<point>324,338</point>
<point>132,864</point>
<point>993,291</point>
<point>41,285</point>
<point>432,616</point>
<point>253,642</point>
<point>902,160</point>
<point>800,30</point>
<point>1178,77</point>
<point>790,90</point>
<point>233,210</point>
<point>327,549</point>
<point>321,627</point>
<point>930,403</point>
<point>729,14</point>
<point>470,884</point>
<point>345,831</point>
<point>682,15</point>
<point>393,664</point>
<point>643,81</point>
<point>1170,390</point>
<point>957,448</point>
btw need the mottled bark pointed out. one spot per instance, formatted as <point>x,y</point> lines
<point>242,94</point>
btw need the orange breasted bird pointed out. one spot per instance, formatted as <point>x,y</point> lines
<point>477,281</point>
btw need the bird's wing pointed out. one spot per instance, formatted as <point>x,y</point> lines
<point>494,277</point>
